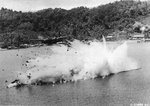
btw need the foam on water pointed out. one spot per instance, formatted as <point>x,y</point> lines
<point>80,61</point>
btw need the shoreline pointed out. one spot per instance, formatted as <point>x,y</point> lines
<point>118,42</point>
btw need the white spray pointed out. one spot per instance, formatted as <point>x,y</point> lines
<point>82,61</point>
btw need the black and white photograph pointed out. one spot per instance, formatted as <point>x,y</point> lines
<point>74,52</point>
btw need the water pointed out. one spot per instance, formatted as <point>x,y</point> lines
<point>120,89</point>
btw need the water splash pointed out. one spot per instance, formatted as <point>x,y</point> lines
<point>79,62</point>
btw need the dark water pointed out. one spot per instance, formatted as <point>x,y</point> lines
<point>121,89</point>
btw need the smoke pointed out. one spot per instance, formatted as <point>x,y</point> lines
<point>79,62</point>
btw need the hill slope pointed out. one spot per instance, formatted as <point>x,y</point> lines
<point>80,23</point>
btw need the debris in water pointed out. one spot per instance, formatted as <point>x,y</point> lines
<point>81,62</point>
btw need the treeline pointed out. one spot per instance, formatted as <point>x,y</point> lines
<point>80,23</point>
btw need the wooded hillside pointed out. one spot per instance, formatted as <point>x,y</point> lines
<point>79,23</point>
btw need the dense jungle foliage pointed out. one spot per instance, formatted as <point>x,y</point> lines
<point>80,23</point>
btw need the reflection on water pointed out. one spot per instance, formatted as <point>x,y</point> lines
<point>120,89</point>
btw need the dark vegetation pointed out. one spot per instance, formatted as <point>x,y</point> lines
<point>81,23</point>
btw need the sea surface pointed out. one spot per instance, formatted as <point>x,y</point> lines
<point>122,89</point>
